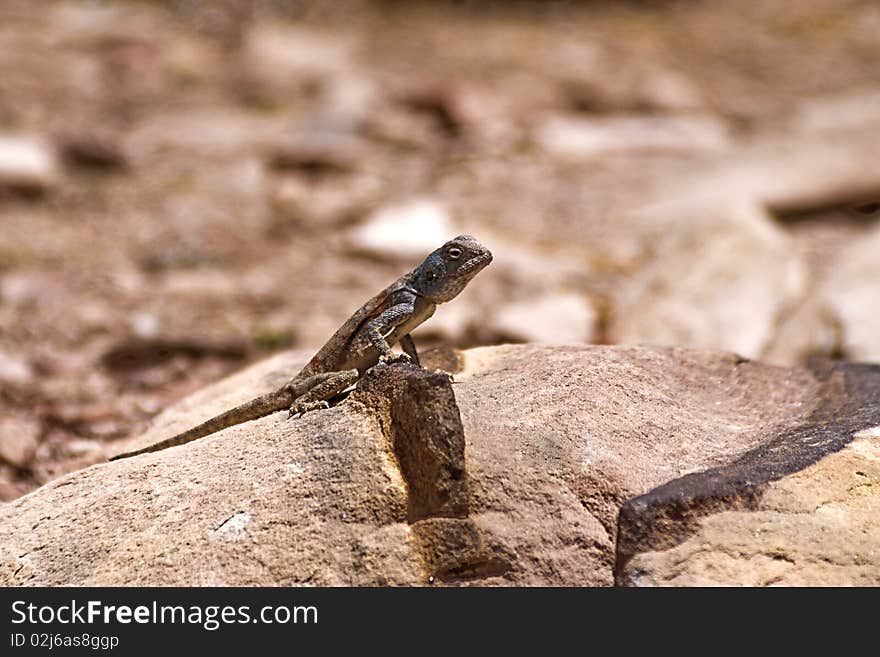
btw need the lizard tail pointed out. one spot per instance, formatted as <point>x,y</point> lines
<point>254,409</point>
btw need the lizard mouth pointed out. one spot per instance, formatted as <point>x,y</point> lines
<point>476,264</point>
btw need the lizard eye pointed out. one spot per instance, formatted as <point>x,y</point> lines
<point>454,253</point>
<point>430,276</point>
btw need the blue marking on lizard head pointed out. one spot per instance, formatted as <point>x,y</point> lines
<point>446,271</point>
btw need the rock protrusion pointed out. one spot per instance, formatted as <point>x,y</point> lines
<point>421,420</point>
<point>418,414</point>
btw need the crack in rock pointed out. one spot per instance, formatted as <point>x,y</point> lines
<point>418,415</point>
<point>233,528</point>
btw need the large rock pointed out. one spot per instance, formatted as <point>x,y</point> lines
<point>816,527</point>
<point>583,138</point>
<point>723,286</point>
<point>514,474</point>
<point>724,271</point>
<point>800,509</point>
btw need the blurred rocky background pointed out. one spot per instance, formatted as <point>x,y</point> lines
<point>188,186</point>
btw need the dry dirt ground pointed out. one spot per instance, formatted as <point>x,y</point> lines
<point>186,187</point>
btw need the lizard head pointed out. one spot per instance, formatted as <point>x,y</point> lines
<point>446,271</point>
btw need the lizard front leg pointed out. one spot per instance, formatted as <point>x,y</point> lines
<point>319,388</point>
<point>376,329</point>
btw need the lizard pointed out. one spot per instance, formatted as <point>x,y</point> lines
<point>364,340</point>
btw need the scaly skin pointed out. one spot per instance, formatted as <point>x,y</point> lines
<point>362,341</point>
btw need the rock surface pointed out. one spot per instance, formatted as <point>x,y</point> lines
<point>817,527</point>
<point>853,296</point>
<point>739,270</point>
<point>798,510</point>
<point>19,439</point>
<point>513,475</point>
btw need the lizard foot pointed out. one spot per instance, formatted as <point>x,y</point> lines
<point>387,359</point>
<point>448,375</point>
<point>302,408</point>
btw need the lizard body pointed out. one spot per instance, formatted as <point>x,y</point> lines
<point>362,341</point>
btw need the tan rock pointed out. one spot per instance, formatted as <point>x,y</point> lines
<point>824,171</point>
<point>15,370</point>
<point>286,52</point>
<point>805,331</point>
<point>26,164</point>
<point>722,287</point>
<point>554,318</point>
<point>319,152</point>
<point>516,479</point>
<point>210,133</point>
<point>321,203</point>
<point>851,294</point>
<point>580,138</point>
<point>632,88</point>
<point>404,230</point>
<point>11,483</point>
<point>817,527</point>
<point>797,509</point>
<point>19,439</point>
<point>837,317</point>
